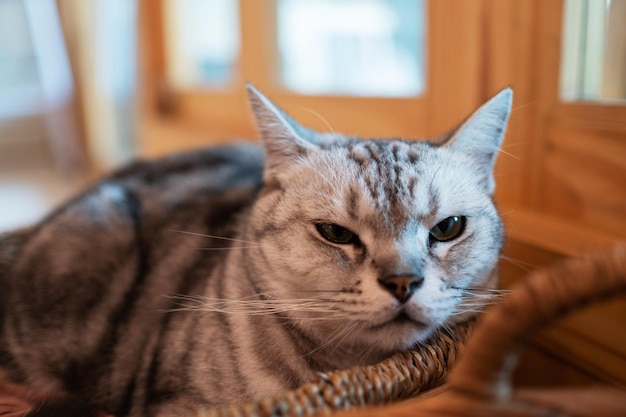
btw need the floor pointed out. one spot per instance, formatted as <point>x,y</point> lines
<point>28,194</point>
<point>30,186</point>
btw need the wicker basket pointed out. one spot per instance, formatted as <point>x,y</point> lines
<point>480,386</point>
<point>403,376</point>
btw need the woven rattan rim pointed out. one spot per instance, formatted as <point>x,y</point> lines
<point>546,295</point>
<point>402,376</point>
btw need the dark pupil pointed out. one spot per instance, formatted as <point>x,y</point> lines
<point>335,234</point>
<point>448,229</point>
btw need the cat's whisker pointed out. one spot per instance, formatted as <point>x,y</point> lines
<point>230,307</point>
<point>232,247</point>
<point>483,304</point>
<point>481,301</point>
<point>525,266</point>
<point>507,212</point>
<point>445,328</point>
<point>521,106</point>
<point>231,239</point>
<point>241,302</point>
<point>328,340</point>
<point>488,293</point>
<point>331,315</point>
<point>473,306</point>
<point>363,357</point>
<point>277,297</point>
<point>335,338</point>
<point>319,116</point>
<point>482,293</point>
<point>432,180</point>
<point>500,150</point>
<point>303,302</point>
<point>495,290</point>
<point>261,306</point>
<point>488,297</point>
<point>461,312</point>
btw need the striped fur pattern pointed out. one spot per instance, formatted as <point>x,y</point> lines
<point>208,278</point>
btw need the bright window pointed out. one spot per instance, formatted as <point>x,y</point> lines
<point>593,61</point>
<point>202,42</point>
<point>352,47</point>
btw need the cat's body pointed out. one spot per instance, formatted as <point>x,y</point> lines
<point>338,252</point>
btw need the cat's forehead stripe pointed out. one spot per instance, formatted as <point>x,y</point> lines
<point>390,180</point>
<point>352,202</point>
<point>411,184</point>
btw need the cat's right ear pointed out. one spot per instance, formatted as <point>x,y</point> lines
<point>283,138</point>
<point>481,134</point>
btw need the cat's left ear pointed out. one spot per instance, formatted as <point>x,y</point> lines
<point>283,138</point>
<point>481,134</point>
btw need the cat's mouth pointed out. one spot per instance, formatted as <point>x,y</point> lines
<point>402,319</point>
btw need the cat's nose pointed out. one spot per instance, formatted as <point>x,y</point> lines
<point>402,287</point>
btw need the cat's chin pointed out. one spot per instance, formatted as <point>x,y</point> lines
<point>400,332</point>
<point>401,319</point>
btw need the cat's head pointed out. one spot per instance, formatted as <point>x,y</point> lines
<point>374,244</point>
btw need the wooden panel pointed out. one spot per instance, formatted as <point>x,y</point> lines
<point>507,34</point>
<point>600,115</point>
<point>520,259</point>
<point>161,137</point>
<point>406,118</point>
<point>589,345</point>
<point>539,368</point>
<point>226,115</point>
<point>585,177</point>
<point>454,61</point>
<point>558,235</point>
<point>151,53</point>
<point>577,167</point>
<point>547,47</point>
<point>587,341</point>
<point>604,326</point>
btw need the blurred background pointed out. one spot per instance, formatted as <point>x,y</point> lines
<point>87,85</point>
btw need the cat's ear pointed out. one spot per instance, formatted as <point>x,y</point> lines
<point>283,138</point>
<point>481,134</point>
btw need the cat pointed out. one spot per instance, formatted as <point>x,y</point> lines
<point>210,277</point>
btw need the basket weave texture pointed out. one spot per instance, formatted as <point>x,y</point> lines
<point>402,376</point>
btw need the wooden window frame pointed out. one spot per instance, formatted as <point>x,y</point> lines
<point>199,117</point>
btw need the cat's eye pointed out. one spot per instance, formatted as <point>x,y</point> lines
<point>448,229</point>
<point>336,234</point>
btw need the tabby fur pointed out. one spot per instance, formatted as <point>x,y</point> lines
<point>203,278</point>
